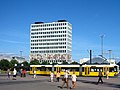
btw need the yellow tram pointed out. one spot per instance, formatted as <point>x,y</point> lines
<point>80,70</point>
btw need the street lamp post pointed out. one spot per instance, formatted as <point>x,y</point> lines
<point>102,44</point>
<point>21,53</point>
<point>20,56</point>
<point>110,54</point>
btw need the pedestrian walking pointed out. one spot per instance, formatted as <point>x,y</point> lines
<point>51,76</point>
<point>8,73</point>
<point>14,74</point>
<point>24,73</point>
<point>58,76</point>
<point>73,80</point>
<point>34,72</point>
<point>21,72</point>
<point>100,77</point>
<point>65,79</point>
<point>107,74</point>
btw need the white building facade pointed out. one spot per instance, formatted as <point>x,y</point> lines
<point>51,42</point>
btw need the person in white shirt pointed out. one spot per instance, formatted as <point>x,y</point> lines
<point>73,80</point>
<point>8,72</point>
<point>51,76</point>
<point>14,74</point>
<point>34,73</point>
<point>65,79</point>
<point>107,74</point>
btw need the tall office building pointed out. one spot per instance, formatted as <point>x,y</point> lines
<point>51,42</point>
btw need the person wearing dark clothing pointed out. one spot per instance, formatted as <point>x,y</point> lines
<point>100,77</point>
<point>58,76</point>
<point>21,72</point>
<point>65,79</point>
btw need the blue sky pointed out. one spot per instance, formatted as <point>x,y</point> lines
<point>89,18</point>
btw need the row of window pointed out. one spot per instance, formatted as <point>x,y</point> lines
<point>48,36</point>
<point>111,69</point>
<point>46,25</point>
<point>45,40</point>
<point>60,43</point>
<point>56,47</point>
<point>50,51</point>
<point>54,32</point>
<point>71,69</point>
<point>36,44</point>
<point>43,29</point>
<point>96,69</point>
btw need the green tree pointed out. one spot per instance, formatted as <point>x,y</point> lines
<point>10,64</point>
<point>13,62</point>
<point>74,62</point>
<point>4,64</point>
<point>45,63</point>
<point>25,65</point>
<point>34,62</point>
<point>64,62</point>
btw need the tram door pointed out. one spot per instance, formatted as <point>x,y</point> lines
<point>105,69</point>
<point>80,71</point>
<point>58,69</point>
<point>33,69</point>
<point>87,71</point>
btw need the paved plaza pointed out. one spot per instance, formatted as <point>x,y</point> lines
<point>43,83</point>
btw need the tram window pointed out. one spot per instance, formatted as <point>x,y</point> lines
<point>38,68</point>
<point>63,70</point>
<point>50,68</point>
<point>111,69</point>
<point>82,69</point>
<point>30,68</point>
<point>54,69</point>
<point>70,68</point>
<point>47,69</point>
<point>95,69</point>
<point>115,68</point>
<point>42,69</point>
<point>92,70</point>
<point>74,69</point>
<point>66,68</point>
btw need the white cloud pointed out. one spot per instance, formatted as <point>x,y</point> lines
<point>10,41</point>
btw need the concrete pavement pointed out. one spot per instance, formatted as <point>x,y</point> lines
<point>43,83</point>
